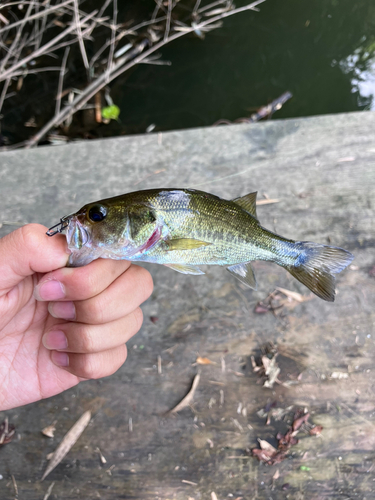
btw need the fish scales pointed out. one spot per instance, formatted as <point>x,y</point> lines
<point>185,228</point>
<point>221,225</point>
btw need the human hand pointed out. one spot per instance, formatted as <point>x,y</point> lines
<point>61,325</point>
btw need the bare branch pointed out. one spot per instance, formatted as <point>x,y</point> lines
<point>3,93</point>
<point>61,81</point>
<point>15,41</point>
<point>27,18</point>
<point>168,23</point>
<point>129,60</point>
<point>43,49</point>
<point>28,71</point>
<point>102,10</point>
<point>159,6</point>
<point>196,6</point>
<point>80,38</point>
<point>113,35</point>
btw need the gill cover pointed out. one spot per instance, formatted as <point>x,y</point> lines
<point>76,235</point>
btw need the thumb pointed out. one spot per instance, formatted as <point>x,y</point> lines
<point>29,250</point>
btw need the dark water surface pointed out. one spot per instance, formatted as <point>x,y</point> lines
<point>322,51</point>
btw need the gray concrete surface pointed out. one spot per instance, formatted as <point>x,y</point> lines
<point>322,170</point>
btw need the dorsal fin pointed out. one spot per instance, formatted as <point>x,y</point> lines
<point>248,203</point>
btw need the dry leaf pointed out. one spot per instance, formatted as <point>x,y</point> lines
<point>271,370</point>
<point>189,396</point>
<point>267,447</point>
<point>204,361</point>
<point>299,421</point>
<point>68,441</point>
<point>49,431</point>
<point>270,455</point>
<point>261,455</point>
<point>262,308</point>
<point>315,431</point>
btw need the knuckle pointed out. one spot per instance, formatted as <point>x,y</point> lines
<point>138,318</point>
<point>144,282</point>
<point>89,368</point>
<point>114,364</point>
<point>91,283</point>
<point>30,236</point>
<point>92,311</point>
<point>85,339</point>
<point>94,367</point>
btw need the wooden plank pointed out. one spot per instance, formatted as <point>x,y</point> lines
<point>322,171</point>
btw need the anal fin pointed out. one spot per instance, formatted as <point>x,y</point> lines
<point>244,272</point>
<point>185,268</point>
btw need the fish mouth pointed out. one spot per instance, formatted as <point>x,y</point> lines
<point>76,234</point>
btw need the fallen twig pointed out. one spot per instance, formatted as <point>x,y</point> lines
<point>263,112</point>
<point>49,491</point>
<point>189,396</point>
<point>267,202</point>
<point>7,432</point>
<point>68,441</point>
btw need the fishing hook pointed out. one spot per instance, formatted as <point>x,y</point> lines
<point>63,224</point>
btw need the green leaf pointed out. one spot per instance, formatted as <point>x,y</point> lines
<point>111,112</point>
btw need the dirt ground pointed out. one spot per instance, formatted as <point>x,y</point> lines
<point>321,173</point>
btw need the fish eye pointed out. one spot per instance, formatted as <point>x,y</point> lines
<point>97,213</point>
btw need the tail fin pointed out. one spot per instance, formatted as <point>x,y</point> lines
<point>316,265</point>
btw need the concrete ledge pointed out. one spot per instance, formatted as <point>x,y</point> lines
<point>322,170</point>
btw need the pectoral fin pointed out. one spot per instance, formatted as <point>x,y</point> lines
<point>185,268</point>
<point>244,272</point>
<point>185,244</point>
<point>248,203</point>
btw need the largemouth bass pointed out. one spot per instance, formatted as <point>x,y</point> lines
<point>185,228</point>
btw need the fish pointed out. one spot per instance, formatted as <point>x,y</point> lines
<point>184,229</point>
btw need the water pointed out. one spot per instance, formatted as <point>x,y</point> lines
<point>321,51</point>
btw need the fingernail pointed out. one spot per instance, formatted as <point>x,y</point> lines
<point>49,290</point>
<point>55,340</point>
<point>60,358</point>
<point>63,310</point>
